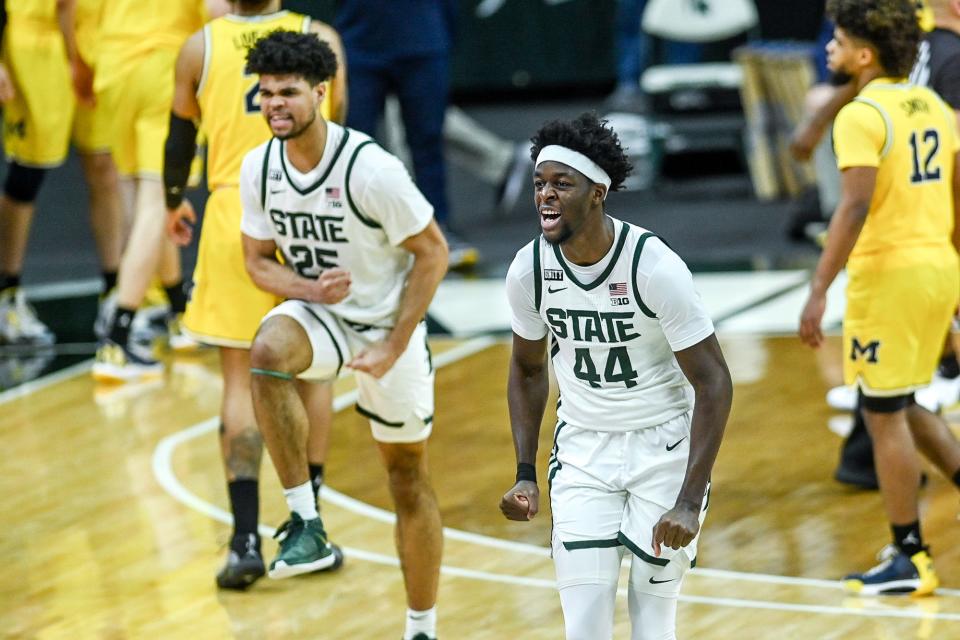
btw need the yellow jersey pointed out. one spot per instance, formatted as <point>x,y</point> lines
<point>42,15</point>
<point>910,135</point>
<point>229,99</point>
<point>129,30</point>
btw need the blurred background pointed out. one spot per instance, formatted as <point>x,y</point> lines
<point>706,124</point>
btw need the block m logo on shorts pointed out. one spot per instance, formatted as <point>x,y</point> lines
<point>868,352</point>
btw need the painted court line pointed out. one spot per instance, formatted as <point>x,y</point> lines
<point>163,471</point>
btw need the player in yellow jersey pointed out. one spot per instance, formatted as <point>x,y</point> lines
<point>41,117</point>
<point>895,228</point>
<point>225,307</point>
<point>137,50</point>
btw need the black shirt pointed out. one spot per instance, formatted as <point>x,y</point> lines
<point>938,65</point>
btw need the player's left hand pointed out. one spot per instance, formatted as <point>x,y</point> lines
<point>676,528</point>
<point>375,360</point>
<point>180,223</point>
<point>810,319</point>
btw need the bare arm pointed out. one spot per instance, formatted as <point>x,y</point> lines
<point>180,145</point>
<point>338,84</point>
<point>187,78</point>
<point>808,133</point>
<point>430,260</point>
<point>81,72</point>
<point>6,83</point>
<point>260,259</point>
<point>527,389</point>
<point>858,184</point>
<point>217,8</point>
<point>706,370</point>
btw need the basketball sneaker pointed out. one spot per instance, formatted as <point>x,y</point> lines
<point>106,307</point>
<point>896,574</point>
<point>303,548</point>
<point>244,564</point>
<point>19,323</point>
<point>843,398</point>
<point>177,339</point>
<point>123,363</point>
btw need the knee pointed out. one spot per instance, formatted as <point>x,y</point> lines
<point>408,481</point>
<point>99,170</point>
<point>265,355</point>
<point>274,350</point>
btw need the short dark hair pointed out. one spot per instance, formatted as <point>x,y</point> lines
<point>290,53</point>
<point>890,26</point>
<point>591,136</point>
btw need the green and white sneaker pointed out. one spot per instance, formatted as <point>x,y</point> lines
<point>303,548</point>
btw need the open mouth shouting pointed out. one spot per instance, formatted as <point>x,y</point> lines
<point>549,218</point>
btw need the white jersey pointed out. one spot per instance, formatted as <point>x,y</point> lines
<point>613,327</point>
<point>351,211</point>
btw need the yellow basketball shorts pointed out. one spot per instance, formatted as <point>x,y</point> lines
<point>43,117</point>
<point>139,108</point>
<point>225,307</point>
<point>895,324</point>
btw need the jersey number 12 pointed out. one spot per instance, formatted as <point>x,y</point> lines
<point>926,169</point>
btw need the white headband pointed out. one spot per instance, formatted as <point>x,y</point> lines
<point>575,160</point>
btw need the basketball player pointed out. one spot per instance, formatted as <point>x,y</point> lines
<point>41,119</point>
<point>138,45</point>
<point>895,228</point>
<point>363,257</point>
<point>938,67</point>
<point>628,337</point>
<point>225,307</point>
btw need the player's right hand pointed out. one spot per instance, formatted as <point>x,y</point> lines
<point>803,141</point>
<point>82,76</point>
<point>332,286</point>
<point>180,223</point>
<point>522,502</point>
<point>810,320</point>
<point>7,92</point>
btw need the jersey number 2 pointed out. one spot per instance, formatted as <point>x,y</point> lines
<point>927,170</point>
<point>250,102</point>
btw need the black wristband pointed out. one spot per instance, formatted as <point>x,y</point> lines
<point>526,471</point>
<point>178,154</point>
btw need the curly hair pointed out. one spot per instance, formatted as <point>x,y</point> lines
<point>890,26</point>
<point>290,53</point>
<point>591,136</point>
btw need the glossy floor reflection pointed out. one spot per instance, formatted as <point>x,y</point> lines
<point>113,502</point>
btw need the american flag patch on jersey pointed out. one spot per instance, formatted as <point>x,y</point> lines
<point>617,289</point>
<point>333,192</point>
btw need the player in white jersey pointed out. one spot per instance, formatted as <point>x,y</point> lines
<point>362,259</point>
<point>632,347</point>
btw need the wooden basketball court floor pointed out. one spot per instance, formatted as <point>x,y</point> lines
<point>114,515</point>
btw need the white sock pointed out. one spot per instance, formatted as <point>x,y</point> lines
<point>421,622</point>
<point>300,500</point>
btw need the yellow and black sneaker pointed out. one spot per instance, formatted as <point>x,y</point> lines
<point>19,324</point>
<point>896,574</point>
<point>119,363</point>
